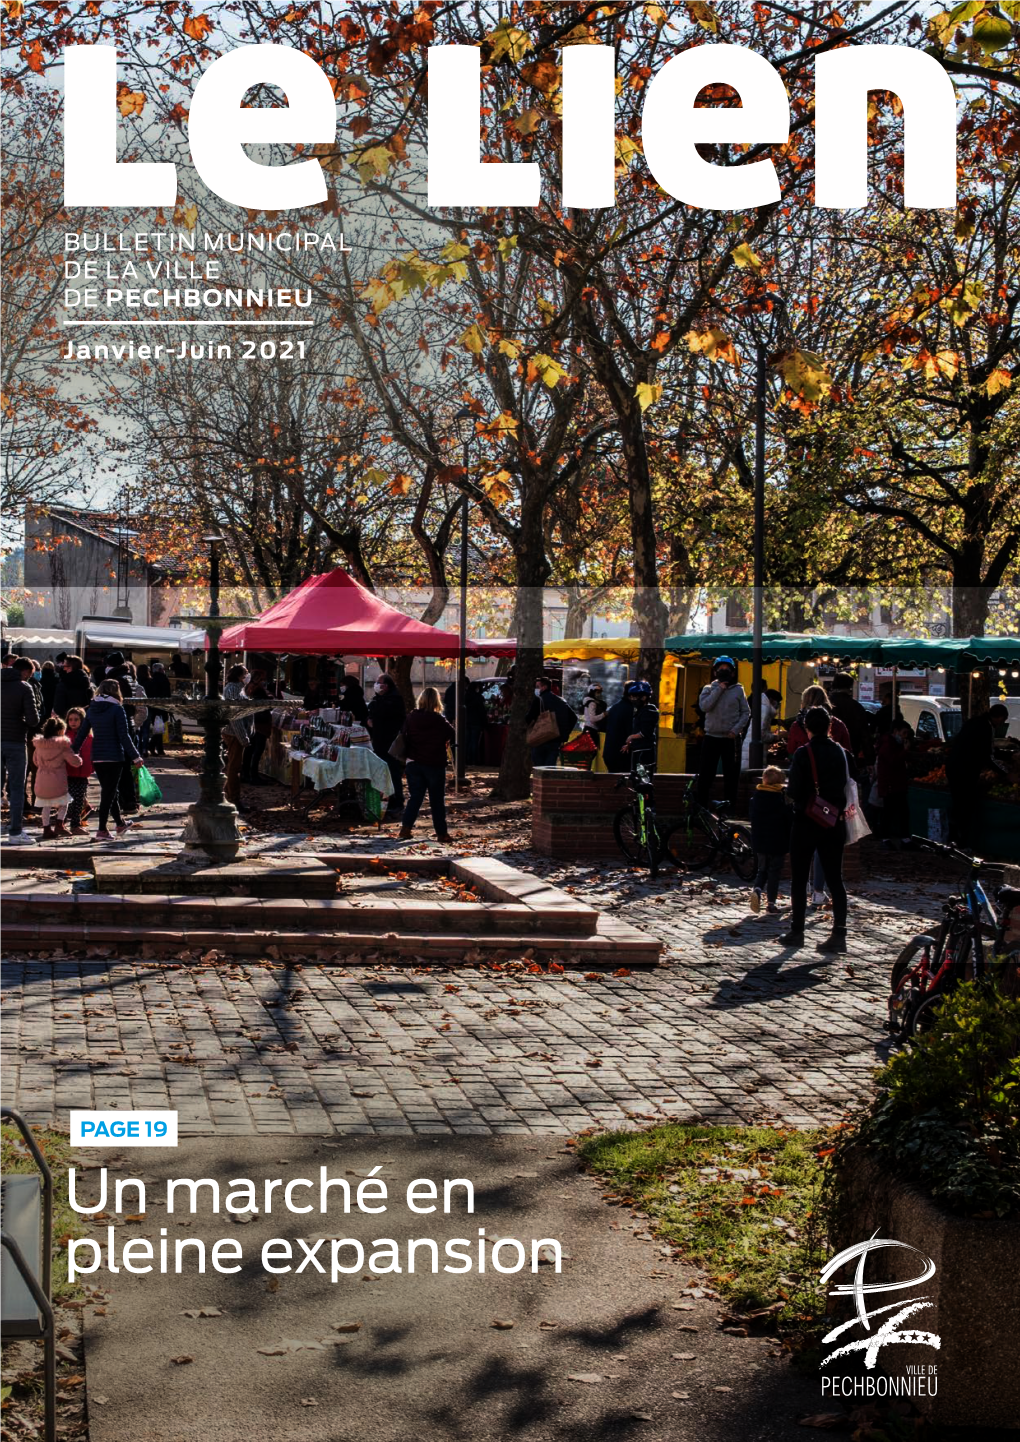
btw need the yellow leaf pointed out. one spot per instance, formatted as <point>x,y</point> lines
<point>627,151</point>
<point>647,394</point>
<point>507,40</point>
<point>472,339</point>
<point>546,309</point>
<point>371,163</point>
<point>703,15</point>
<point>454,250</point>
<point>505,424</point>
<point>374,477</point>
<point>528,122</point>
<point>496,487</point>
<point>656,14</point>
<point>999,380</point>
<point>805,374</point>
<point>744,256</point>
<point>506,246</point>
<point>509,348</point>
<point>543,367</point>
<point>713,344</point>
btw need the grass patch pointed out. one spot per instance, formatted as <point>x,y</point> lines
<point>15,1157</point>
<point>742,1204</point>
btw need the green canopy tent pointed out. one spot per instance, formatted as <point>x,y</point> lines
<point>950,652</point>
<point>779,646</point>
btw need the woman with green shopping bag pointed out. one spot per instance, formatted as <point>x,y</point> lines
<point>112,750</point>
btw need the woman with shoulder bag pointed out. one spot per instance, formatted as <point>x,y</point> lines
<point>426,735</point>
<point>817,788</point>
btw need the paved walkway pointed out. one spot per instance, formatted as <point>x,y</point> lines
<point>733,1028</point>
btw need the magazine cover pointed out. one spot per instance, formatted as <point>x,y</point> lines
<point>510,721</point>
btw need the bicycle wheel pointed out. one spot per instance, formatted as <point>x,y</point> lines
<point>927,1014</point>
<point>689,846</point>
<point>903,999</point>
<point>742,857</point>
<point>625,829</point>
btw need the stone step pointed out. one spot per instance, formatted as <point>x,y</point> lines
<point>236,915</point>
<point>289,876</point>
<point>614,944</point>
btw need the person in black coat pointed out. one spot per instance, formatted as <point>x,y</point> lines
<point>386,716</point>
<point>971,754</point>
<point>832,764</point>
<point>771,822</point>
<point>632,727</point>
<point>351,697</point>
<point>546,699</point>
<point>73,687</point>
<point>157,688</point>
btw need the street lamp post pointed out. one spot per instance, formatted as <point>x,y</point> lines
<point>212,821</point>
<point>756,750</point>
<point>465,420</point>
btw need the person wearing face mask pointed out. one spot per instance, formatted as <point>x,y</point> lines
<point>547,752</point>
<point>726,712</point>
<point>631,729</point>
<point>386,716</point>
<point>352,698</point>
<point>595,710</point>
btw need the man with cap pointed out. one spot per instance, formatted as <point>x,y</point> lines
<point>727,714</point>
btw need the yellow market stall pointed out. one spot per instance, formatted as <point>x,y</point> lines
<point>683,676</point>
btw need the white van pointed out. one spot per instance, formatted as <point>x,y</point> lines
<point>939,718</point>
<point>933,718</point>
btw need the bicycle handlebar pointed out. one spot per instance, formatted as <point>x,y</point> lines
<point>944,849</point>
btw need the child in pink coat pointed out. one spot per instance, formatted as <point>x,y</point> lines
<point>53,755</point>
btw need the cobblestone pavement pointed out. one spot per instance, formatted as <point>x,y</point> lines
<point>733,1028</point>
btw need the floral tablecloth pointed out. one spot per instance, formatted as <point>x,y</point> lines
<point>355,763</point>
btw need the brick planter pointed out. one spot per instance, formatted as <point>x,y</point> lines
<point>975,1292</point>
<point>572,811</point>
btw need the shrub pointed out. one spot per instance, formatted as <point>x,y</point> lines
<point>947,1114</point>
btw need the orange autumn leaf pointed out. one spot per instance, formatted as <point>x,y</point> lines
<point>197,27</point>
<point>129,102</point>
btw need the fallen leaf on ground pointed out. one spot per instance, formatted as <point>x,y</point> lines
<point>346,1326</point>
<point>182,1360</point>
<point>825,1421</point>
<point>202,1312</point>
<point>309,1402</point>
<point>589,1377</point>
<point>501,1326</point>
<point>681,1396</point>
<point>685,1356</point>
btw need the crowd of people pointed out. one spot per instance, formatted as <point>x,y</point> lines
<point>61,724</point>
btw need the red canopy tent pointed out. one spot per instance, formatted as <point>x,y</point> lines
<point>333,615</point>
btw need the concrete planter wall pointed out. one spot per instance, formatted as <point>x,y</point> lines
<point>975,1291</point>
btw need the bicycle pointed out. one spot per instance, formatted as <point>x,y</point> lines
<point>706,836</point>
<point>929,967</point>
<point>636,826</point>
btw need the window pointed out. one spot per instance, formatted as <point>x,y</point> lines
<point>736,614</point>
<point>927,726</point>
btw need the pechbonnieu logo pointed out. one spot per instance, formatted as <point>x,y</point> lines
<point>919,1379</point>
